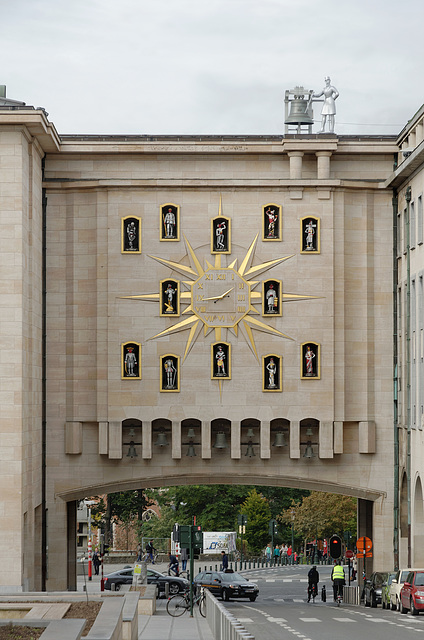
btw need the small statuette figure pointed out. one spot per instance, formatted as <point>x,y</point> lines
<point>130,363</point>
<point>310,232</point>
<point>330,94</point>
<point>169,222</point>
<point>309,356</point>
<point>220,238</point>
<point>272,300</point>
<point>170,372</point>
<point>220,366</point>
<point>132,235</point>
<point>272,219</point>
<point>272,370</point>
<point>169,304</point>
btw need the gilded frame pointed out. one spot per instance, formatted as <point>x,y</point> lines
<point>271,229</point>
<point>176,361</point>
<point>279,373</point>
<point>316,367</point>
<point>162,224</point>
<point>136,347</point>
<point>303,242</point>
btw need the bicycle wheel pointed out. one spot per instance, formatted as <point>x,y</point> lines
<point>177,605</point>
<point>202,605</point>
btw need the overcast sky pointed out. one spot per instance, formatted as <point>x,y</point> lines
<point>212,66</point>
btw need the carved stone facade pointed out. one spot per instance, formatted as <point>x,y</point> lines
<point>67,428</point>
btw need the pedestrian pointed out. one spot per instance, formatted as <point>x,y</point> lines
<point>276,554</point>
<point>139,552</point>
<point>224,561</point>
<point>268,553</point>
<point>150,550</point>
<point>313,579</point>
<point>184,558</point>
<point>96,562</point>
<point>173,564</point>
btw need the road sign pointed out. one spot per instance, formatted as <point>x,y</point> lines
<point>349,554</point>
<point>364,546</point>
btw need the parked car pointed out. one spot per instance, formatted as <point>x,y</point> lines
<point>373,587</point>
<point>412,593</point>
<point>125,576</point>
<point>227,584</point>
<point>385,591</point>
<point>396,586</point>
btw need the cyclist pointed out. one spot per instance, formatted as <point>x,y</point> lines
<point>313,579</point>
<point>173,564</point>
<point>150,550</point>
<point>338,578</point>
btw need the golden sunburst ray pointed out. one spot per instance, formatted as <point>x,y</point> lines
<point>180,326</point>
<point>297,296</point>
<point>176,266</point>
<point>248,257</point>
<point>195,329</point>
<point>152,297</point>
<point>194,259</point>
<point>258,324</point>
<point>264,266</point>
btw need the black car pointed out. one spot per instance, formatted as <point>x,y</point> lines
<point>125,576</point>
<point>227,584</point>
<point>373,588</point>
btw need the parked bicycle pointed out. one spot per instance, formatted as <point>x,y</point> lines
<point>179,604</point>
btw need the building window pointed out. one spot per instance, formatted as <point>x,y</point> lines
<point>412,226</point>
<point>420,220</point>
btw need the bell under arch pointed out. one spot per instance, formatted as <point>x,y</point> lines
<point>418,530</point>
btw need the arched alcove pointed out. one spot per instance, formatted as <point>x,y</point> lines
<point>418,531</point>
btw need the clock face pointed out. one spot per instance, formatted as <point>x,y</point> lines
<point>220,297</point>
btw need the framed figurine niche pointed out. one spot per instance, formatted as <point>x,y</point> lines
<point>271,298</point>
<point>131,234</point>
<point>220,235</point>
<point>220,360</point>
<point>310,235</point>
<point>169,372</point>
<point>169,297</point>
<point>272,379</point>
<point>310,361</point>
<point>130,361</point>
<point>271,222</point>
<point>169,223</point>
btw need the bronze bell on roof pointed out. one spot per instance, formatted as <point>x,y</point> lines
<point>299,112</point>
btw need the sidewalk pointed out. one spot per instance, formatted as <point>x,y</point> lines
<point>161,626</point>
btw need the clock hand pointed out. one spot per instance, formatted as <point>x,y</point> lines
<point>224,294</point>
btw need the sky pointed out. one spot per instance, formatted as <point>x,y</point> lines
<point>212,66</point>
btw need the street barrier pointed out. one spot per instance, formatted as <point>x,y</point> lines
<point>223,624</point>
<point>351,595</point>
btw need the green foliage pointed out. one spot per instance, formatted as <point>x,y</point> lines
<point>258,512</point>
<point>322,514</point>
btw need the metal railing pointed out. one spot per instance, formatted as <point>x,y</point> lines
<point>223,624</point>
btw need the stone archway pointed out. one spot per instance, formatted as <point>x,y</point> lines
<point>418,530</point>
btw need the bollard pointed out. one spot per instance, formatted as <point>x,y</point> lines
<point>167,590</point>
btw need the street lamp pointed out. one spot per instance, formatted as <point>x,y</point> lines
<point>89,504</point>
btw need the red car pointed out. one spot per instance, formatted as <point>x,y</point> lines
<point>412,593</point>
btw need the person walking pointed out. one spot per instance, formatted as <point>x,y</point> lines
<point>276,554</point>
<point>224,561</point>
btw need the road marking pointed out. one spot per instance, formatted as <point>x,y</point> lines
<point>277,620</point>
<point>310,619</point>
<point>298,600</point>
<point>344,620</point>
<point>270,580</point>
<point>245,619</point>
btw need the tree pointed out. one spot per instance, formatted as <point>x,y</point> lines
<point>124,507</point>
<point>322,515</point>
<point>258,512</point>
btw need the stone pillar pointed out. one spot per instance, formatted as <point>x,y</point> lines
<point>367,437</point>
<point>326,440</point>
<point>146,440</point>
<point>71,535</point>
<point>73,437</point>
<point>323,164</point>
<point>103,438</point>
<point>419,133</point>
<point>235,439</point>
<point>265,439</point>
<point>338,437</point>
<point>295,164</point>
<point>206,440</point>
<point>295,439</point>
<point>115,440</point>
<point>176,439</point>
<point>365,528</point>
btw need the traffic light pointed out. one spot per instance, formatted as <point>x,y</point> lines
<point>273,527</point>
<point>176,532</point>
<point>335,547</point>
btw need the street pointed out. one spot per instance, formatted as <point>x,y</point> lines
<point>282,610</point>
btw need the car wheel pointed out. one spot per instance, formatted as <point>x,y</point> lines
<point>252,598</point>
<point>225,595</point>
<point>373,601</point>
<point>397,604</point>
<point>366,602</point>
<point>383,603</point>
<point>392,606</point>
<point>174,588</point>
<point>402,608</point>
<point>117,586</point>
<point>413,610</point>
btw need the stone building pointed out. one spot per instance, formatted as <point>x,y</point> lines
<point>203,309</point>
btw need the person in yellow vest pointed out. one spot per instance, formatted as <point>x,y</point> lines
<point>338,577</point>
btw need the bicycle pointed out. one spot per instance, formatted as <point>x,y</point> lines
<point>179,604</point>
<point>312,591</point>
<point>338,592</point>
<point>146,558</point>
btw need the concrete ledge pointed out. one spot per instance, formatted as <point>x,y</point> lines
<point>70,629</point>
<point>147,602</point>
<point>130,616</point>
<point>108,624</point>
